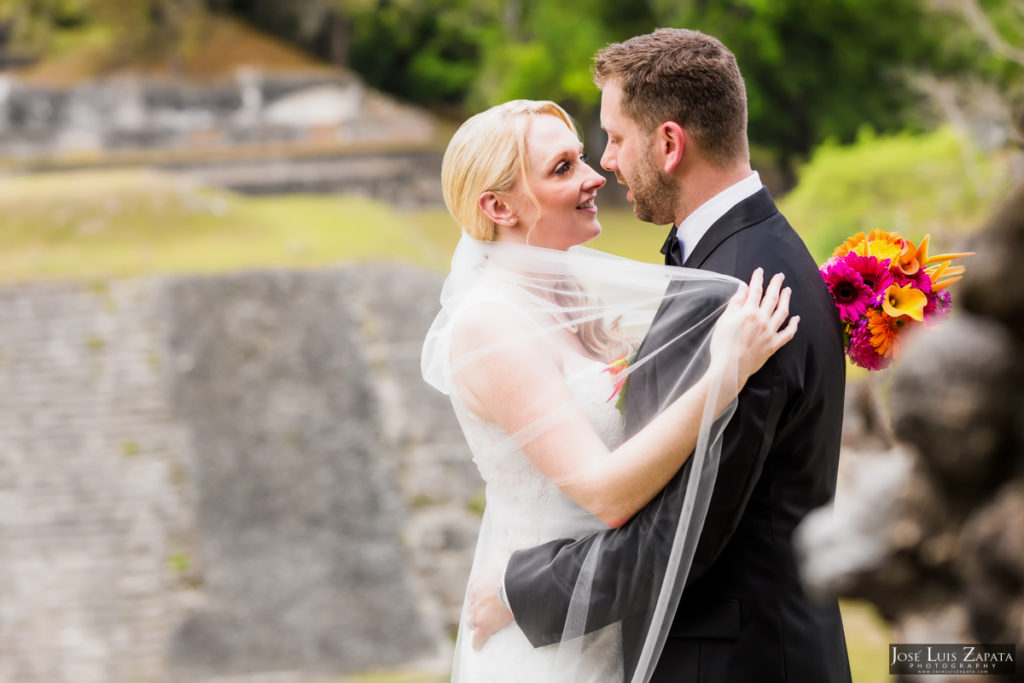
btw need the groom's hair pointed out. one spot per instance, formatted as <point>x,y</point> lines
<point>680,75</point>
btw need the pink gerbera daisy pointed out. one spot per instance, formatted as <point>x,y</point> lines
<point>851,294</point>
<point>861,352</point>
<point>875,273</point>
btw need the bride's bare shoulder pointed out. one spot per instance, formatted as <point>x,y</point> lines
<point>498,324</point>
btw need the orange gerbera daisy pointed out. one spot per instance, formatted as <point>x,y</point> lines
<point>885,331</point>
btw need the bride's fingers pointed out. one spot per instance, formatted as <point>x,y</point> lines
<point>756,287</point>
<point>781,310</point>
<point>740,296</point>
<point>787,334</point>
<point>771,294</point>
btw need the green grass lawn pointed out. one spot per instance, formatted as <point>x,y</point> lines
<point>133,222</point>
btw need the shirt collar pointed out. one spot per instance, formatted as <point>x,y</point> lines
<point>697,223</point>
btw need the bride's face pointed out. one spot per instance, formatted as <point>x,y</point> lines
<point>563,185</point>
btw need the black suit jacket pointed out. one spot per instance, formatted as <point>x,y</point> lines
<point>743,615</point>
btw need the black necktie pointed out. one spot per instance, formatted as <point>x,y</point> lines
<point>672,249</point>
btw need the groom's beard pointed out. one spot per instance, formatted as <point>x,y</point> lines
<point>654,193</point>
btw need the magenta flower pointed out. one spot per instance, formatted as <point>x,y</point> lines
<point>938,306</point>
<point>861,352</point>
<point>847,286</point>
<point>875,274</point>
<point>919,280</point>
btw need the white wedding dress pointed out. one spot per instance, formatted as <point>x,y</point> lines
<point>525,509</point>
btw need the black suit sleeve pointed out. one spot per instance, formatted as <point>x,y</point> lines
<point>539,581</point>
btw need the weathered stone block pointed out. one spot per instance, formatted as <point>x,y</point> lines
<point>297,522</point>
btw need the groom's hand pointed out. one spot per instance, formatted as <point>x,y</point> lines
<point>487,614</point>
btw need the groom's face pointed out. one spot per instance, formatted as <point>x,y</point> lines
<point>630,155</point>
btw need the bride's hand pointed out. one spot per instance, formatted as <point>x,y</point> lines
<point>487,613</point>
<point>750,330</point>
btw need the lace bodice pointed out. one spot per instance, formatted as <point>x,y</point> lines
<point>525,509</point>
<point>521,501</point>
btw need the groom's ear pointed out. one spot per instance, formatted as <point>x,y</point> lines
<point>671,140</point>
<point>496,208</point>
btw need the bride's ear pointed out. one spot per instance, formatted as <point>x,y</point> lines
<point>497,208</point>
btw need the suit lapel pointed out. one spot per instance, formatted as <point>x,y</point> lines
<point>750,211</point>
<point>642,391</point>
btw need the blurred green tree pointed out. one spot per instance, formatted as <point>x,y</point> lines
<point>544,50</point>
<point>144,30</point>
<point>28,25</point>
<point>815,69</point>
<point>821,69</point>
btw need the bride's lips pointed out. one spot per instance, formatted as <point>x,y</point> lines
<point>588,206</point>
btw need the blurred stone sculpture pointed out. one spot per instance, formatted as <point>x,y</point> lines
<point>931,531</point>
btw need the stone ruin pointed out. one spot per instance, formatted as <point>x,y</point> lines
<point>931,531</point>
<point>259,133</point>
<point>235,477</point>
<point>255,108</point>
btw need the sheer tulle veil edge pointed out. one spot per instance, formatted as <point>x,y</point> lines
<point>605,305</point>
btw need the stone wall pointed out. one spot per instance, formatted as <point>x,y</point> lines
<point>130,113</point>
<point>257,134</point>
<point>226,476</point>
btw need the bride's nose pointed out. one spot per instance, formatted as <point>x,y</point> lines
<point>594,180</point>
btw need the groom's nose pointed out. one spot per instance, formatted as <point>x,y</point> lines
<point>608,160</point>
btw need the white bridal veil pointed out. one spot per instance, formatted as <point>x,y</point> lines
<point>595,310</point>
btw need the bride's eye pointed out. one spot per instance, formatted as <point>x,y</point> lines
<point>563,168</point>
<point>584,157</point>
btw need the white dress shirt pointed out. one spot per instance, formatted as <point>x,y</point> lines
<point>697,223</point>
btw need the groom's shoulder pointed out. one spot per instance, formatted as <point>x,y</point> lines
<point>771,243</point>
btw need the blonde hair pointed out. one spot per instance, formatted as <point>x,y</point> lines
<point>488,153</point>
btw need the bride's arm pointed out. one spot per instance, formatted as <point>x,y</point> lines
<point>522,385</point>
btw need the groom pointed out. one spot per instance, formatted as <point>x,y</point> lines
<point>674,107</point>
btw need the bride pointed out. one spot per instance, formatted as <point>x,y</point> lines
<point>533,344</point>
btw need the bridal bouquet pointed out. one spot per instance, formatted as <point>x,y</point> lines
<point>883,285</point>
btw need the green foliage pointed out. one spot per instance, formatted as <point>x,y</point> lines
<point>33,24</point>
<point>815,69</point>
<point>820,69</point>
<point>987,40</point>
<point>544,52</point>
<point>142,30</point>
<point>426,51</point>
<point>911,183</point>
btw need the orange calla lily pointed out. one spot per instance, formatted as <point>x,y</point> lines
<point>905,300</point>
<point>907,260</point>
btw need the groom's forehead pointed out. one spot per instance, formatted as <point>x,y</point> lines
<point>613,117</point>
<point>611,109</point>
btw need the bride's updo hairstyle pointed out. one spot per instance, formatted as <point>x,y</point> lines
<point>488,152</point>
